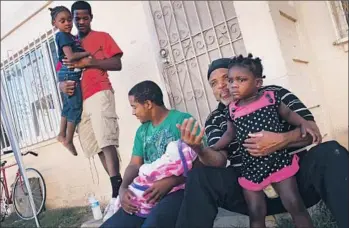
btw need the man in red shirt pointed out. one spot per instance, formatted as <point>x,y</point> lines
<point>98,129</point>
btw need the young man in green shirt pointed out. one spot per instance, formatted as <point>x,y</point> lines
<point>159,127</point>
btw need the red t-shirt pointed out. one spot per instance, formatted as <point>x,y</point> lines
<point>102,46</point>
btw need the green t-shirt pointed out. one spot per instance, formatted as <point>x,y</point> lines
<point>151,142</point>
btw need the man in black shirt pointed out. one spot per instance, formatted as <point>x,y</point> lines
<point>323,170</point>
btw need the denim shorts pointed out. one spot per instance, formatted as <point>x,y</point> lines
<point>72,105</point>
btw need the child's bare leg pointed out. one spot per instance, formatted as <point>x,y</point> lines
<point>257,208</point>
<point>69,138</point>
<point>62,130</point>
<point>293,202</point>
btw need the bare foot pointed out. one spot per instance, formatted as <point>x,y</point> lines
<point>61,138</point>
<point>70,146</point>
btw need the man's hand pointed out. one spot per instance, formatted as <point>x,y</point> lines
<point>310,127</point>
<point>264,143</point>
<point>159,189</point>
<point>67,87</point>
<point>126,200</point>
<point>189,136</point>
<point>82,63</point>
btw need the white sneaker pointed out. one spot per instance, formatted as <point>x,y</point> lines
<point>110,209</point>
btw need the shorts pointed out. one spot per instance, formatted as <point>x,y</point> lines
<point>65,74</point>
<point>99,125</point>
<point>72,105</point>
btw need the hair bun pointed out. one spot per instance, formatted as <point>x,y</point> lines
<point>250,56</point>
<point>50,9</point>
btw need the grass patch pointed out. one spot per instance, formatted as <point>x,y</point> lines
<point>321,216</point>
<point>65,217</point>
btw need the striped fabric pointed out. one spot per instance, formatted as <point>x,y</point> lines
<point>216,123</point>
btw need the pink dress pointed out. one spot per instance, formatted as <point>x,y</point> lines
<point>176,161</point>
<point>262,114</point>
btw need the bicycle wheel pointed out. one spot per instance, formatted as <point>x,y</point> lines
<point>3,202</point>
<point>21,197</point>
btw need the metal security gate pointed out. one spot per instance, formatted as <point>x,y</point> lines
<point>28,82</point>
<point>191,35</point>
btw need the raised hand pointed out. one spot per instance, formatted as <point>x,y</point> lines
<point>189,133</point>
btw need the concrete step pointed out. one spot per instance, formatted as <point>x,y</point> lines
<point>91,223</point>
<point>224,219</point>
<point>230,219</point>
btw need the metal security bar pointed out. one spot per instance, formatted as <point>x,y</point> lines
<point>5,143</point>
<point>340,16</point>
<point>28,80</point>
<point>191,34</point>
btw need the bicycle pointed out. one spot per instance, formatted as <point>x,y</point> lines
<point>19,196</point>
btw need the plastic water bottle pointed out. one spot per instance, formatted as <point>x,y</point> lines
<point>96,209</point>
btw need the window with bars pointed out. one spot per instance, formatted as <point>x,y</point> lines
<point>340,16</point>
<point>4,141</point>
<point>29,82</point>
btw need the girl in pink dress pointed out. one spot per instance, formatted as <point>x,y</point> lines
<point>253,111</point>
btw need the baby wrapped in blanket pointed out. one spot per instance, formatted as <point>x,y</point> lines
<point>176,161</point>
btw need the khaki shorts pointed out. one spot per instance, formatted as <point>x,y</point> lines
<point>99,126</point>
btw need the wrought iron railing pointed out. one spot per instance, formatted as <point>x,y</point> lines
<point>29,80</point>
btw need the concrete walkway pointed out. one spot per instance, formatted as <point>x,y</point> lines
<point>224,219</point>
<point>92,223</point>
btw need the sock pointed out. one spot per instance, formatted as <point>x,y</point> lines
<point>115,184</point>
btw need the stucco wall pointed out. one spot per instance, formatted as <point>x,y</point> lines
<point>310,38</point>
<point>68,178</point>
<point>278,41</point>
<point>330,61</point>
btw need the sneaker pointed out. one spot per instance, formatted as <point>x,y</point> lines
<point>111,209</point>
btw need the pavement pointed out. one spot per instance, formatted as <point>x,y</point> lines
<point>224,219</point>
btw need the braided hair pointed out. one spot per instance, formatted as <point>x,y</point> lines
<point>56,10</point>
<point>254,65</point>
<point>147,91</point>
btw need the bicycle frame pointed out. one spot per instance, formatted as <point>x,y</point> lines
<point>8,194</point>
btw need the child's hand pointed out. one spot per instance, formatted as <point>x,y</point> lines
<point>82,63</point>
<point>67,87</point>
<point>313,130</point>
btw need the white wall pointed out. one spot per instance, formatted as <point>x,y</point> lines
<point>294,45</point>
<point>14,12</point>
<point>133,37</point>
<point>278,40</point>
<point>260,37</point>
<point>330,61</point>
<point>310,38</point>
<point>129,24</point>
